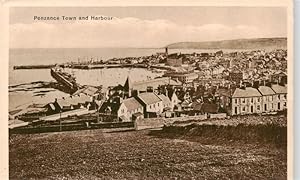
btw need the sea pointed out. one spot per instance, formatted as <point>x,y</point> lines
<point>23,84</point>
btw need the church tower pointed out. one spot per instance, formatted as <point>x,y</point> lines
<point>128,87</point>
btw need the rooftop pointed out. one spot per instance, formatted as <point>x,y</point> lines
<point>279,89</point>
<point>164,98</point>
<point>266,90</point>
<point>149,98</point>
<point>247,92</point>
<point>132,103</point>
<point>142,85</point>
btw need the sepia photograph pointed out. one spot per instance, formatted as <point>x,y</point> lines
<point>148,92</point>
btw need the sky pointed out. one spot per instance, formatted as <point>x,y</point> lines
<point>141,27</point>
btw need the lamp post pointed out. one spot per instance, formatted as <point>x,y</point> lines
<point>60,128</point>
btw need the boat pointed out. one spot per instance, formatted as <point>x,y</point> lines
<point>66,80</point>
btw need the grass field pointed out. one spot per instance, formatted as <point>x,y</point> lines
<point>147,154</point>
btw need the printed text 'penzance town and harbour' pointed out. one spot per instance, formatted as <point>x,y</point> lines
<point>71,18</point>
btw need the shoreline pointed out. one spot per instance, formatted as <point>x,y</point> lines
<point>97,66</point>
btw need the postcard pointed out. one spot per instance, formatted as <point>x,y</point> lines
<point>147,90</point>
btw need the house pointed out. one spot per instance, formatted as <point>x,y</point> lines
<point>184,77</point>
<point>89,91</point>
<point>153,105</point>
<point>175,60</point>
<point>279,77</point>
<point>246,100</point>
<point>239,101</point>
<point>280,99</point>
<point>133,108</point>
<point>147,85</point>
<point>172,96</point>
<point>113,110</point>
<point>267,99</point>
<point>165,101</point>
<point>70,103</point>
<point>33,112</point>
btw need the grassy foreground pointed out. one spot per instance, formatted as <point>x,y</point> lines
<point>156,154</point>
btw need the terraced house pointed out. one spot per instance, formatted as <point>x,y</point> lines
<point>249,100</point>
<point>268,99</point>
<point>280,99</point>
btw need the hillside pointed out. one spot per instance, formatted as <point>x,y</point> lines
<point>257,43</point>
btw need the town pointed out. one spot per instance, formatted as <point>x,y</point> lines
<point>217,85</point>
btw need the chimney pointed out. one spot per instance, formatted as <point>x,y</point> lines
<point>264,82</point>
<point>135,93</point>
<point>166,51</point>
<point>241,84</point>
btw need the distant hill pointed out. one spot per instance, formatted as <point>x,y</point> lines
<point>257,43</point>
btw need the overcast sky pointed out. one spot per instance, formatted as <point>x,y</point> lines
<point>142,26</point>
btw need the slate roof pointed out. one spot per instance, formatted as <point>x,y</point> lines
<point>149,98</point>
<point>279,89</point>
<point>142,85</point>
<point>164,99</point>
<point>132,104</point>
<point>75,100</point>
<point>89,90</point>
<point>266,90</point>
<point>246,92</point>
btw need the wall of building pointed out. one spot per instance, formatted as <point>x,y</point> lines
<point>155,107</point>
<point>250,105</point>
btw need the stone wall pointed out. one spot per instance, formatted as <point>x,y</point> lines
<point>152,123</point>
<point>218,116</point>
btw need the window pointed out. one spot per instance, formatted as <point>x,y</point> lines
<point>244,109</point>
<point>279,97</point>
<point>251,100</point>
<point>258,107</point>
<point>243,100</point>
<point>265,107</point>
<point>258,99</point>
<point>284,96</point>
<point>235,110</point>
<point>236,101</point>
